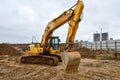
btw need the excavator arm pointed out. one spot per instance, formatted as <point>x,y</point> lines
<point>73,24</point>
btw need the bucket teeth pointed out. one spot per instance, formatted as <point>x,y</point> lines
<point>71,61</point>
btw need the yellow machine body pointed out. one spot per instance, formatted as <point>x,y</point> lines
<point>49,45</point>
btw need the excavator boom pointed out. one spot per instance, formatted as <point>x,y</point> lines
<point>54,24</point>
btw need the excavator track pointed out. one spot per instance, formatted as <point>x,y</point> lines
<point>41,59</point>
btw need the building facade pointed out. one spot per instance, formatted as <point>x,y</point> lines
<point>98,36</point>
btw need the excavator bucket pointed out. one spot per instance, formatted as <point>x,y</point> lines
<point>71,61</point>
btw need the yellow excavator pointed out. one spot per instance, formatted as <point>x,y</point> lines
<point>48,51</point>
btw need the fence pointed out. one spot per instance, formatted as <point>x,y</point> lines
<point>109,44</point>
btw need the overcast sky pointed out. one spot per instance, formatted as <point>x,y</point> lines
<point>22,19</point>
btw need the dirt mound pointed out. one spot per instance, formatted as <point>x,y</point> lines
<point>6,49</point>
<point>85,52</point>
<point>99,54</point>
<point>88,53</point>
<point>22,47</point>
<point>75,47</point>
<point>83,49</point>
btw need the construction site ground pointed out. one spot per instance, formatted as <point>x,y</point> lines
<point>89,69</point>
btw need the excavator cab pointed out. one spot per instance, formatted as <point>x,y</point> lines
<point>54,45</point>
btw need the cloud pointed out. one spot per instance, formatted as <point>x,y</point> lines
<point>28,14</point>
<point>22,19</point>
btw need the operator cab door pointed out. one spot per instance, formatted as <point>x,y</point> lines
<point>55,43</point>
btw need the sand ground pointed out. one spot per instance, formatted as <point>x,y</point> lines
<point>89,69</point>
